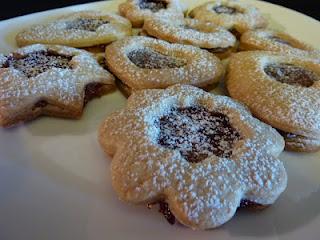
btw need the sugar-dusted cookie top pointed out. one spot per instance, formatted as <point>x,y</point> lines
<point>138,10</point>
<point>202,154</point>
<point>48,79</point>
<point>78,29</point>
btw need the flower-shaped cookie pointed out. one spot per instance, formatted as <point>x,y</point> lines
<point>49,80</point>
<point>202,154</point>
<point>79,29</point>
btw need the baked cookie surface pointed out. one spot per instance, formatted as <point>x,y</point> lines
<point>270,40</point>
<point>281,90</point>
<point>49,80</point>
<point>143,63</point>
<point>200,153</point>
<point>79,29</point>
<point>233,15</point>
<point>194,32</point>
<point>138,10</point>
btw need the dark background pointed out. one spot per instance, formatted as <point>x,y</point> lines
<point>13,8</point>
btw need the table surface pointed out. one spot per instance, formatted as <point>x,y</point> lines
<point>16,8</point>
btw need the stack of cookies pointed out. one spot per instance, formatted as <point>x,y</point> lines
<point>198,155</point>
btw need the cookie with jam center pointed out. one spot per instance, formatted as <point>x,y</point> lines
<point>270,40</point>
<point>205,35</point>
<point>236,16</point>
<point>145,63</point>
<point>49,80</point>
<point>80,29</point>
<point>281,90</point>
<point>138,10</point>
<point>199,155</point>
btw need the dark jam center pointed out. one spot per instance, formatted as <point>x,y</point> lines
<point>87,24</point>
<point>36,63</point>
<point>150,59</point>
<point>280,40</point>
<point>290,74</point>
<point>197,133</point>
<point>153,5</point>
<point>225,10</point>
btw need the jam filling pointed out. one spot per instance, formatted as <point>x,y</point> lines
<point>150,59</point>
<point>39,62</point>
<point>165,210</point>
<point>290,74</point>
<point>153,5</point>
<point>225,10</point>
<point>280,40</point>
<point>93,90</point>
<point>250,205</point>
<point>169,216</point>
<point>40,104</point>
<point>87,24</point>
<point>197,133</point>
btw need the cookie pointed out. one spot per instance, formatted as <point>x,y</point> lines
<point>194,32</point>
<point>48,80</point>
<point>144,63</point>
<point>236,16</point>
<point>199,155</point>
<point>80,29</point>
<point>138,10</point>
<point>281,90</point>
<point>270,40</point>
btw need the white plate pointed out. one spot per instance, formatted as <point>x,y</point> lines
<point>55,180</point>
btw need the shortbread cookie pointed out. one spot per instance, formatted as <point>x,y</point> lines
<point>281,90</point>
<point>203,155</point>
<point>48,80</point>
<point>138,10</point>
<point>80,29</point>
<point>144,63</point>
<point>236,16</point>
<point>194,32</point>
<point>270,40</point>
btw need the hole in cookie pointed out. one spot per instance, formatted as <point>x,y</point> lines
<point>150,59</point>
<point>87,24</point>
<point>153,5</point>
<point>93,90</point>
<point>197,133</point>
<point>279,40</point>
<point>290,74</point>
<point>36,63</point>
<point>165,210</point>
<point>225,10</point>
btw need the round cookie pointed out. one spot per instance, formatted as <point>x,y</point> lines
<point>138,10</point>
<point>145,63</point>
<point>270,40</point>
<point>199,155</point>
<point>281,90</point>
<point>205,35</point>
<point>79,29</point>
<point>236,16</point>
<point>49,80</point>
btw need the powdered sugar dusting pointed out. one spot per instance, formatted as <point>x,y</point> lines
<point>202,195</point>
<point>290,108</point>
<point>201,68</point>
<point>190,31</point>
<point>21,87</point>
